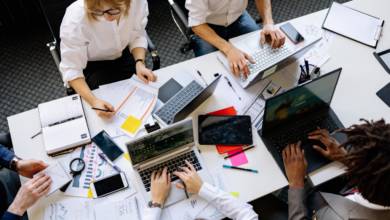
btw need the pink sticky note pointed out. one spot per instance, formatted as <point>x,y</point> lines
<point>238,159</point>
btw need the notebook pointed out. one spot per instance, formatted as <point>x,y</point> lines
<point>63,124</point>
<point>353,24</point>
<point>59,174</point>
<point>121,210</point>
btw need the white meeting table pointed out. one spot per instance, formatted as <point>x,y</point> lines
<point>362,76</point>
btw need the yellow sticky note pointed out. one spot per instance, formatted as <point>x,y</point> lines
<point>234,194</point>
<point>90,192</point>
<point>127,157</point>
<point>131,124</point>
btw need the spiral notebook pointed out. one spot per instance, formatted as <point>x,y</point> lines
<point>59,174</point>
<point>120,210</point>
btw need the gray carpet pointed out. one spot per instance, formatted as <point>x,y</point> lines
<point>28,75</point>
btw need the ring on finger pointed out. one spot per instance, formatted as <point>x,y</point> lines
<point>157,176</point>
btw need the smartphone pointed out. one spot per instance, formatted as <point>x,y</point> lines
<point>292,33</point>
<point>107,145</point>
<point>109,185</point>
<point>225,130</point>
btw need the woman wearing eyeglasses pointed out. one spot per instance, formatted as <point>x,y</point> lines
<point>103,41</point>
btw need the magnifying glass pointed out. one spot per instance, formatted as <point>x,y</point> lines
<point>76,166</point>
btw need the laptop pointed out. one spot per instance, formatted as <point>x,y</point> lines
<point>267,60</point>
<point>166,147</point>
<point>290,116</point>
<point>180,96</point>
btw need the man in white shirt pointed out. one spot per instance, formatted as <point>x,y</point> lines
<point>216,21</point>
<point>368,169</point>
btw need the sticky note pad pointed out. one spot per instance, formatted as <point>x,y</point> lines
<point>131,124</point>
<point>238,159</point>
<point>90,192</point>
<point>234,194</point>
<point>127,157</point>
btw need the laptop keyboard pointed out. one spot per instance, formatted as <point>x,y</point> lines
<point>301,132</point>
<point>178,102</point>
<point>171,164</point>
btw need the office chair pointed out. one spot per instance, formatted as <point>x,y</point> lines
<point>5,140</point>
<point>180,17</point>
<point>54,11</point>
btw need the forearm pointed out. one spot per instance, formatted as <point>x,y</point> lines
<point>297,209</point>
<point>206,33</point>
<point>264,8</point>
<point>83,89</point>
<point>5,156</point>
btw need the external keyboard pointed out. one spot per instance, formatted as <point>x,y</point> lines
<point>178,102</point>
<point>171,164</point>
<point>301,132</point>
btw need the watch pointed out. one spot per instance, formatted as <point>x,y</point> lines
<point>13,162</point>
<point>153,204</point>
<point>140,60</point>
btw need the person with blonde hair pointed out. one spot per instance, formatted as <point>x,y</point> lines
<point>103,41</point>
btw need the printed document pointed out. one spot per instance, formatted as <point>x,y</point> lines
<point>76,210</point>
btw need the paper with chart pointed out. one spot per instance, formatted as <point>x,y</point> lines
<point>121,210</point>
<point>187,208</point>
<point>70,210</point>
<point>59,174</point>
<point>311,29</point>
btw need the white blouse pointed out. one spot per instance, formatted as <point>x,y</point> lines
<point>83,41</point>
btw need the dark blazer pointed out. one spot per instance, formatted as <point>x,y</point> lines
<point>326,206</point>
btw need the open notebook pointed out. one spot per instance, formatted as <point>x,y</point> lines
<point>63,124</point>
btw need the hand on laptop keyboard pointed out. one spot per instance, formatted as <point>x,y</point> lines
<point>295,165</point>
<point>161,184</point>
<point>190,178</point>
<point>237,61</point>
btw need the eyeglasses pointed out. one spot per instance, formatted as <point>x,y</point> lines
<point>110,12</point>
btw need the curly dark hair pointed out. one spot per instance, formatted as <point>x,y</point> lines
<point>370,170</point>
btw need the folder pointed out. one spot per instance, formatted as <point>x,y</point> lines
<point>353,24</point>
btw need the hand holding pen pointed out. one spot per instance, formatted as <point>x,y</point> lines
<point>191,179</point>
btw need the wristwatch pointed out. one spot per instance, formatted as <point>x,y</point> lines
<point>140,60</point>
<point>13,162</point>
<point>153,204</point>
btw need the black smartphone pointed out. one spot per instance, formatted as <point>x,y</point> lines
<point>225,130</point>
<point>109,185</point>
<point>292,33</point>
<point>107,145</point>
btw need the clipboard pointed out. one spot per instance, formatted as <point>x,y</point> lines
<point>349,24</point>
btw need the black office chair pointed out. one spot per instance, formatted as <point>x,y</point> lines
<point>54,11</point>
<point>180,17</point>
<point>5,140</point>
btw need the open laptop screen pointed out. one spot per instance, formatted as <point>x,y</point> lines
<point>299,101</point>
<point>161,142</point>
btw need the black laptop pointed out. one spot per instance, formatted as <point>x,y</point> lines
<point>290,116</point>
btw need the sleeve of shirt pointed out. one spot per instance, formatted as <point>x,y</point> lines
<point>5,156</point>
<point>141,19</point>
<point>197,12</point>
<point>10,216</point>
<point>227,204</point>
<point>152,214</point>
<point>74,54</point>
<point>297,204</point>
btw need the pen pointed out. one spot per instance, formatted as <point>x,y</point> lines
<point>303,70</point>
<point>201,77</point>
<point>184,185</point>
<point>103,110</point>
<point>239,152</point>
<point>307,67</point>
<point>108,161</point>
<point>239,168</point>
<point>232,87</point>
<point>70,119</point>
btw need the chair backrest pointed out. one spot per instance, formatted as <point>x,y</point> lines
<point>54,11</point>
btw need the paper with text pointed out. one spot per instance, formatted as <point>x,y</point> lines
<point>187,208</point>
<point>66,210</point>
<point>59,174</point>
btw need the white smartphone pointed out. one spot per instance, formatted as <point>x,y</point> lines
<point>108,185</point>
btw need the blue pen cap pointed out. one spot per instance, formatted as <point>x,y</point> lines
<point>227,166</point>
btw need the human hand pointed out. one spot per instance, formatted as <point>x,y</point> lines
<point>295,164</point>
<point>29,194</point>
<point>98,103</point>
<point>160,186</point>
<point>28,168</point>
<point>333,148</point>
<point>278,38</point>
<point>237,59</point>
<point>143,72</point>
<point>190,177</point>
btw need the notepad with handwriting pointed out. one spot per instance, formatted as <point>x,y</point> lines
<point>64,125</point>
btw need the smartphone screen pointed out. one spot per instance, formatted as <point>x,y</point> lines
<point>107,145</point>
<point>225,130</point>
<point>108,185</point>
<point>291,33</point>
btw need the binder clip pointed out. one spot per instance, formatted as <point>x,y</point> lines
<point>150,128</point>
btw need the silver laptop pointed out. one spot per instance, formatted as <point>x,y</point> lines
<point>166,147</point>
<point>267,60</point>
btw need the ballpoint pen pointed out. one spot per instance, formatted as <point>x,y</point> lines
<point>184,185</point>
<point>239,168</point>
<point>70,119</point>
<point>303,70</point>
<point>232,87</point>
<point>202,77</point>
<point>239,152</point>
<point>108,161</point>
<point>103,110</point>
<point>307,67</point>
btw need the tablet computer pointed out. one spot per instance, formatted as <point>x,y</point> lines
<point>224,130</point>
<point>384,59</point>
